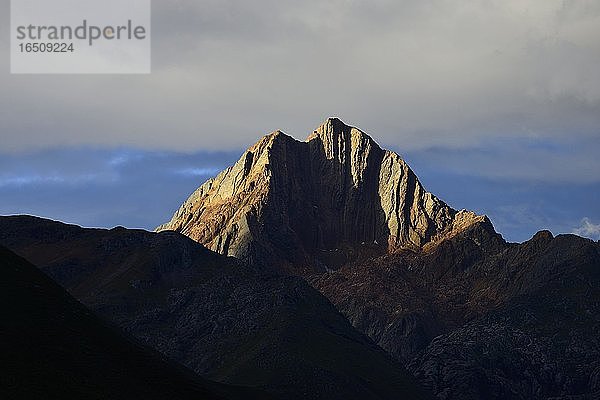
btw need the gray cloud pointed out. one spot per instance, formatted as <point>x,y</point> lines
<point>416,74</point>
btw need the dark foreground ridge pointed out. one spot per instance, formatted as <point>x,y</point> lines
<point>54,348</point>
<point>216,315</point>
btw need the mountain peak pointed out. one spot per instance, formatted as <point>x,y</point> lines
<point>336,138</point>
<point>316,204</point>
<point>331,127</point>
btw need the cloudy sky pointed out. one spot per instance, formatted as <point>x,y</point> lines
<point>496,105</point>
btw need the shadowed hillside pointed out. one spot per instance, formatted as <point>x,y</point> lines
<point>215,315</point>
<point>54,348</point>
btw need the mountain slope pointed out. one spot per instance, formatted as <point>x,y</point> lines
<point>404,300</point>
<point>308,206</point>
<point>216,315</point>
<point>478,318</point>
<point>54,348</point>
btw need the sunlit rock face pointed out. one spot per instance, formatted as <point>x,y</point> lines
<point>316,204</point>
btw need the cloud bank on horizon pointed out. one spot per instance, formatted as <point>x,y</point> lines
<point>503,93</point>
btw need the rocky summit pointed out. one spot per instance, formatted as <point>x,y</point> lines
<point>470,315</point>
<point>313,205</point>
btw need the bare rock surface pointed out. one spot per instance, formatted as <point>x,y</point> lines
<point>314,205</point>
